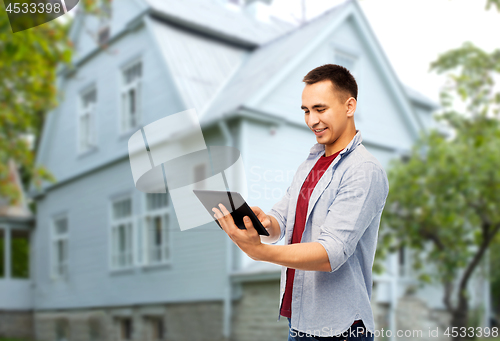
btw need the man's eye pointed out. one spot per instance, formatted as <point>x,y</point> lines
<point>321,110</point>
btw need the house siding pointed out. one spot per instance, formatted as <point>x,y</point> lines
<point>198,255</point>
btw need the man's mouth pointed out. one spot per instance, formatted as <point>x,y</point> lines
<point>319,130</point>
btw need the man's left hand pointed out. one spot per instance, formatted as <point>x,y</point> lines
<point>247,240</point>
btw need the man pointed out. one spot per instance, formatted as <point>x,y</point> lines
<point>329,217</point>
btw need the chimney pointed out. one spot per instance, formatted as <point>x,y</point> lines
<point>258,9</point>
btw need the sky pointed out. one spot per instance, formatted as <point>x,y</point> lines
<point>414,32</point>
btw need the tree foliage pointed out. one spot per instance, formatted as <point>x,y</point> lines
<point>495,3</point>
<point>28,62</point>
<point>444,199</point>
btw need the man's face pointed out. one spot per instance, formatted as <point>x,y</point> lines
<point>323,109</point>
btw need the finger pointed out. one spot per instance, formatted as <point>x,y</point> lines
<point>226,213</point>
<point>217,222</point>
<point>269,222</point>
<point>218,215</point>
<point>249,225</point>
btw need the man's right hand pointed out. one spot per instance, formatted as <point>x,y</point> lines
<point>267,222</point>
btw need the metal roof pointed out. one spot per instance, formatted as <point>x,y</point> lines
<point>198,66</point>
<point>213,19</point>
<point>263,63</point>
<point>416,96</point>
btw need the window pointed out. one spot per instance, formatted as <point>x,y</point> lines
<point>62,330</point>
<point>404,258</point>
<point>20,254</point>
<point>104,13</point>
<point>2,254</point>
<point>351,62</point>
<point>157,329</point>
<point>103,36</point>
<point>131,96</point>
<point>95,329</point>
<point>346,60</point>
<point>86,120</point>
<point>157,224</point>
<point>126,329</point>
<point>121,234</point>
<point>60,247</point>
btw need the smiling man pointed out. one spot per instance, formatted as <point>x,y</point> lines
<point>329,217</point>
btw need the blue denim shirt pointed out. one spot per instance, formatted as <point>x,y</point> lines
<point>343,215</point>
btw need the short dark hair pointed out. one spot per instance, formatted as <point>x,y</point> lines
<point>342,80</point>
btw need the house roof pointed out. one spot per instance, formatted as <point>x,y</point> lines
<point>263,64</point>
<point>420,98</point>
<point>213,19</point>
<point>198,66</point>
<point>219,80</point>
<point>267,66</point>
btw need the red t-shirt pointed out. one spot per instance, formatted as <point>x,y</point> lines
<point>300,220</point>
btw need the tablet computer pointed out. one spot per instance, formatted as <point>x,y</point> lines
<point>234,203</point>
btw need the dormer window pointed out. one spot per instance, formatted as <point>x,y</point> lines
<point>350,60</point>
<point>346,60</point>
<point>103,36</point>
<point>103,8</point>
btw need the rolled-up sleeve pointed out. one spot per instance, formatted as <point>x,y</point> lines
<point>279,211</point>
<point>360,199</point>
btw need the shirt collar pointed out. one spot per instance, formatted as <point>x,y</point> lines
<point>356,140</point>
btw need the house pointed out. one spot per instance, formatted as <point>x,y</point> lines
<point>109,262</point>
<point>16,230</point>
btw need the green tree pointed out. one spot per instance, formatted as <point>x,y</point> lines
<point>495,275</point>
<point>446,194</point>
<point>495,3</point>
<point>28,62</point>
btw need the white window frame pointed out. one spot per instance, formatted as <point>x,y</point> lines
<point>121,328</point>
<point>155,332</point>
<point>105,14</point>
<point>165,215</point>
<point>65,330</point>
<point>115,224</point>
<point>347,55</point>
<point>136,86</point>
<point>57,238</point>
<point>88,142</point>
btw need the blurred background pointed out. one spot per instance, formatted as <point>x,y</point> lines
<point>84,255</point>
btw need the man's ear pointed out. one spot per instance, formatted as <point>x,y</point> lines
<point>350,105</point>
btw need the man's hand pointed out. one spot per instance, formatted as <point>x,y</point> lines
<point>264,219</point>
<point>302,256</point>
<point>247,240</point>
<point>267,222</point>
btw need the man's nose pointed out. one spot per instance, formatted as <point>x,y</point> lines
<point>312,119</point>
